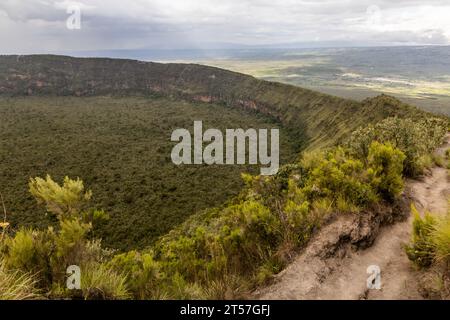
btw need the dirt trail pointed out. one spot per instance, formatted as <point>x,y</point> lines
<point>344,276</point>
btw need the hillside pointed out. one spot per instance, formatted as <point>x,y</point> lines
<point>109,122</point>
<point>313,119</point>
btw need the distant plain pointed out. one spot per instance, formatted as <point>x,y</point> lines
<point>418,75</point>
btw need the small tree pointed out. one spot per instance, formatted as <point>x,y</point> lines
<point>69,201</point>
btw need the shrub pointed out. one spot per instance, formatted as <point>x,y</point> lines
<point>180,289</point>
<point>48,253</point>
<point>346,206</point>
<point>385,169</point>
<point>441,238</point>
<point>360,141</point>
<point>421,250</point>
<point>299,221</point>
<point>70,241</point>
<point>415,138</point>
<point>29,252</point>
<point>447,153</point>
<point>250,231</point>
<point>424,162</point>
<point>437,160</point>
<point>322,207</point>
<point>339,176</point>
<point>142,272</point>
<point>99,282</point>
<point>227,288</point>
<point>67,199</point>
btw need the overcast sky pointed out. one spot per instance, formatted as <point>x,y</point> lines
<point>35,26</point>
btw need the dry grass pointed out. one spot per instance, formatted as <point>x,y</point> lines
<point>17,286</point>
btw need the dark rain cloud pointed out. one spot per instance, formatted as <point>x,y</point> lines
<point>40,25</point>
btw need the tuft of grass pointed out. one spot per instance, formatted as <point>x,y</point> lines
<point>17,286</point>
<point>424,162</point>
<point>99,282</point>
<point>438,160</point>
<point>346,206</point>
<point>227,288</point>
<point>447,154</point>
<point>441,238</point>
<point>421,250</point>
<point>322,207</point>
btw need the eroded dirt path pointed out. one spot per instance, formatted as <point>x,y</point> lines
<point>344,276</point>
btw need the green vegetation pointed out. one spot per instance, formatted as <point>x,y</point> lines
<point>120,145</point>
<point>430,250</point>
<point>221,252</point>
<point>312,119</point>
<point>416,138</point>
<point>354,73</point>
<point>422,249</point>
<point>242,232</point>
<point>121,148</point>
<point>430,240</point>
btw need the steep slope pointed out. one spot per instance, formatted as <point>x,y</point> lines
<point>314,275</point>
<point>314,119</point>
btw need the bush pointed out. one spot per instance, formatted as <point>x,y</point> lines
<point>421,250</point>
<point>248,234</point>
<point>142,272</point>
<point>227,288</point>
<point>441,238</point>
<point>447,153</point>
<point>300,220</point>
<point>67,199</point>
<point>98,282</point>
<point>180,289</point>
<point>415,138</point>
<point>430,248</point>
<point>29,252</point>
<point>424,162</point>
<point>230,248</point>
<point>70,242</point>
<point>385,169</point>
<point>437,160</point>
<point>339,176</point>
<point>48,253</point>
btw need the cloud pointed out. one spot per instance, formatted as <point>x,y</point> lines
<point>39,25</point>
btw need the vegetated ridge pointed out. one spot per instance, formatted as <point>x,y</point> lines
<point>223,252</point>
<point>314,119</point>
